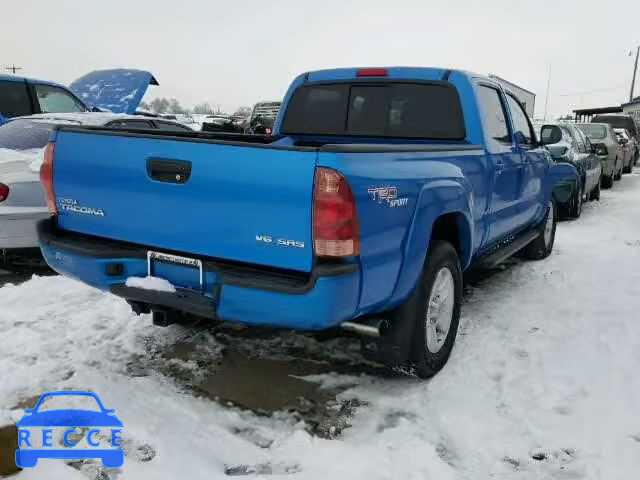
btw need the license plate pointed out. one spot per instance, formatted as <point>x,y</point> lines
<point>155,257</point>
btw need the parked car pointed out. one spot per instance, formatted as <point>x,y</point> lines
<point>621,120</point>
<point>576,149</point>
<point>628,149</point>
<point>119,90</point>
<point>221,123</point>
<point>378,188</point>
<point>606,146</point>
<point>22,142</point>
<point>262,118</point>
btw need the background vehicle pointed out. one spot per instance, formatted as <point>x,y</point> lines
<point>576,149</point>
<point>221,123</point>
<point>22,141</point>
<point>620,120</point>
<point>378,188</point>
<point>628,149</point>
<point>119,90</point>
<point>607,148</point>
<point>262,118</point>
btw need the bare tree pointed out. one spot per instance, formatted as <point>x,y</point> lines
<point>203,108</point>
<point>159,105</point>
<point>242,112</point>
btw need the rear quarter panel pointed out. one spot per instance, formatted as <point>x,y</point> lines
<point>395,235</point>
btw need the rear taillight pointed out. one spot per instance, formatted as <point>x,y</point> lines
<point>4,192</point>
<point>335,222</point>
<point>372,72</point>
<point>46,178</point>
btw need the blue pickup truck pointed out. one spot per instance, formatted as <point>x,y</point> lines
<point>378,188</point>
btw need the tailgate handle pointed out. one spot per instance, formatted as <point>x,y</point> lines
<point>168,171</point>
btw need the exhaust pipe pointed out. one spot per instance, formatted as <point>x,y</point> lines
<point>374,327</point>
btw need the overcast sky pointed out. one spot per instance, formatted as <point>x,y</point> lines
<point>238,52</point>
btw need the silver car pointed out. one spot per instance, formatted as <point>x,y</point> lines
<point>605,143</point>
<point>22,142</point>
<point>628,148</point>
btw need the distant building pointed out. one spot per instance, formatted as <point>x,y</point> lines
<point>633,108</point>
<point>526,98</point>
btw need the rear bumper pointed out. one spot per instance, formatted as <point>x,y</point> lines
<point>19,231</point>
<point>247,294</point>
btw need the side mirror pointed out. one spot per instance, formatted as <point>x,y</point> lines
<point>600,149</point>
<point>28,411</point>
<point>550,134</point>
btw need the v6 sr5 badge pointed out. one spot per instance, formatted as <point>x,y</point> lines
<point>387,196</point>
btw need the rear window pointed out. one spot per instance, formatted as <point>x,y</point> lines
<point>25,134</point>
<point>594,132</point>
<point>400,110</point>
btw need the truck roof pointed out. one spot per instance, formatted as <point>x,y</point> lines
<point>424,73</point>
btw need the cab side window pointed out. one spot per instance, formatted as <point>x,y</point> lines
<point>580,146</point>
<point>521,125</point>
<point>585,141</point>
<point>493,114</point>
<point>14,99</point>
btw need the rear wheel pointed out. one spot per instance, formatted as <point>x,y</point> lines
<point>433,310</point>
<point>575,208</point>
<point>618,175</point>
<point>595,193</point>
<point>607,181</point>
<point>542,246</point>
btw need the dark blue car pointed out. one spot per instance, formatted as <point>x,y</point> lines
<point>73,418</point>
<point>116,90</point>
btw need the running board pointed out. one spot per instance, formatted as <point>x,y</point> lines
<point>500,254</point>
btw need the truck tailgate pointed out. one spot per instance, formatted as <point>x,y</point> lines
<point>241,203</point>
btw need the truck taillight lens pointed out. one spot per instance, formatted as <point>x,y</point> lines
<point>335,222</point>
<point>4,192</point>
<point>46,178</point>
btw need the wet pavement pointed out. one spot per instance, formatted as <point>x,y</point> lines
<point>262,370</point>
<point>16,268</point>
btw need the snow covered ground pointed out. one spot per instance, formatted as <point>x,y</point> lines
<point>543,382</point>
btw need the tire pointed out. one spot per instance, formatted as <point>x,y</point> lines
<point>542,246</point>
<point>575,207</point>
<point>607,182</point>
<point>595,193</point>
<point>618,175</point>
<point>438,296</point>
<point>628,168</point>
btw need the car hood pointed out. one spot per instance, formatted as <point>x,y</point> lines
<point>118,90</point>
<point>69,418</point>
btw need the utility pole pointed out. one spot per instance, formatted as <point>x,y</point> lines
<point>13,68</point>
<point>635,71</point>
<point>546,98</point>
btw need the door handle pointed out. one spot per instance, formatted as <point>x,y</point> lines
<point>168,171</point>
